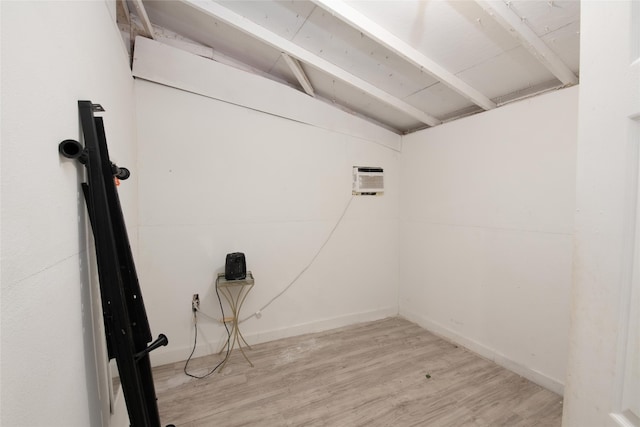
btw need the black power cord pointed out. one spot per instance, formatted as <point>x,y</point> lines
<point>195,341</point>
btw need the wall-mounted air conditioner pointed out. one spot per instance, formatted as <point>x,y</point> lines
<point>367,180</point>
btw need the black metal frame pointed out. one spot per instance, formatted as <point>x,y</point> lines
<point>125,319</point>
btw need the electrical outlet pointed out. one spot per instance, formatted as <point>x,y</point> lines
<point>195,302</point>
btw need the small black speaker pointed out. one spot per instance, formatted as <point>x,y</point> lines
<point>235,267</point>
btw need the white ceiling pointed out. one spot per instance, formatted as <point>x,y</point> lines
<point>404,64</point>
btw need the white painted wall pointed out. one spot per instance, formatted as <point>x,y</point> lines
<point>53,54</point>
<point>606,282</point>
<point>486,232</point>
<point>219,178</point>
<point>479,256</point>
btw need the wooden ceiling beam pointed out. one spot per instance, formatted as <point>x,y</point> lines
<point>355,19</point>
<point>504,15</point>
<point>247,26</point>
<point>123,8</point>
<point>144,18</point>
<point>297,71</point>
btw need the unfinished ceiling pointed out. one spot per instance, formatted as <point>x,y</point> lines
<point>403,64</point>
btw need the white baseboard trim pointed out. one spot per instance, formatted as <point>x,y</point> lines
<point>324,325</point>
<point>173,355</point>
<point>486,352</point>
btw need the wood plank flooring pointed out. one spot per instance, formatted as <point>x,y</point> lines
<point>369,374</point>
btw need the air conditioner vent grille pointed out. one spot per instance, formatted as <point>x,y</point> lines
<point>368,180</point>
<point>371,182</point>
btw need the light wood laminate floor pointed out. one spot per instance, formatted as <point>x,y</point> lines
<point>369,374</point>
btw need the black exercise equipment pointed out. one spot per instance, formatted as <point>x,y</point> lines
<point>125,319</point>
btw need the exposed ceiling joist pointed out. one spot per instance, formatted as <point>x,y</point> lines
<point>124,7</point>
<point>144,18</point>
<point>247,26</point>
<point>171,38</point>
<point>297,71</point>
<point>354,18</point>
<point>516,26</point>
